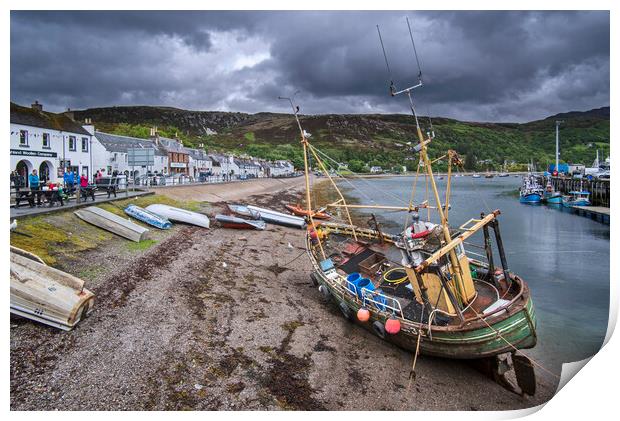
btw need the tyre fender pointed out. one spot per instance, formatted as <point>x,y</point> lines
<point>325,294</point>
<point>379,329</point>
<point>346,311</point>
<point>315,281</point>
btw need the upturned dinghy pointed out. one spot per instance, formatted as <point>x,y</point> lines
<point>181,215</point>
<point>279,218</point>
<point>47,295</point>
<point>150,218</point>
<point>110,222</point>
<point>243,211</point>
<point>299,211</point>
<point>229,221</point>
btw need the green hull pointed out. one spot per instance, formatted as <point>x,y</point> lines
<point>507,331</point>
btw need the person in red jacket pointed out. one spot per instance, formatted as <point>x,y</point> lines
<point>83,181</point>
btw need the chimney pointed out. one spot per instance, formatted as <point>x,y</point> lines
<point>36,106</point>
<point>154,135</point>
<point>69,114</point>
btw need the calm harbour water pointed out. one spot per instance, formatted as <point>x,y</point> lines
<point>564,258</point>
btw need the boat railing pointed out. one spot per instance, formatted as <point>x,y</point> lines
<point>380,301</point>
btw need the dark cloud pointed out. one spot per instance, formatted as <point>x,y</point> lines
<point>493,66</point>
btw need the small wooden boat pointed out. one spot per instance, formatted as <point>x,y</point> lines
<point>47,295</point>
<point>110,222</point>
<point>243,211</point>
<point>299,211</point>
<point>150,218</point>
<point>279,218</point>
<point>181,215</point>
<point>229,221</point>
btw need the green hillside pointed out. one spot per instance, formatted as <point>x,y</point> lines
<point>367,139</point>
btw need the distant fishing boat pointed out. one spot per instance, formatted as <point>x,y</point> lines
<point>181,215</point>
<point>475,175</point>
<point>576,198</point>
<point>488,175</point>
<point>110,222</point>
<point>503,174</point>
<point>243,211</point>
<point>279,218</point>
<point>229,221</point>
<point>531,192</point>
<point>550,196</point>
<point>148,217</point>
<point>299,211</point>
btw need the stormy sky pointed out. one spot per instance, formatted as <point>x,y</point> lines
<point>480,66</point>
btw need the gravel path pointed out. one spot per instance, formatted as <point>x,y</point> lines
<point>227,320</point>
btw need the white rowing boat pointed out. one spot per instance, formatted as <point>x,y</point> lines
<point>110,222</point>
<point>180,215</point>
<point>279,218</point>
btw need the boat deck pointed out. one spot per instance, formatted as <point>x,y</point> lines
<point>371,260</point>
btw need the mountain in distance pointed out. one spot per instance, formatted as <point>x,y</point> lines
<point>372,139</point>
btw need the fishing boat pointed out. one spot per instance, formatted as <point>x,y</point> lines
<point>110,222</point>
<point>299,211</point>
<point>243,211</point>
<point>475,175</point>
<point>550,196</point>
<point>148,217</point>
<point>279,218</point>
<point>229,221</point>
<point>45,294</point>
<point>180,215</point>
<point>488,175</point>
<point>421,289</point>
<point>503,174</point>
<point>576,198</point>
<point>530,192</point>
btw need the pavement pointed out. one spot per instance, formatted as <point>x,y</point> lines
<point>25,210</point>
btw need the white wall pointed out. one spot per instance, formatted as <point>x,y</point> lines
<point>33,154</point>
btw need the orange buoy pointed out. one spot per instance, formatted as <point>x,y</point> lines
<point>363,315</point>
<point>392,326</point>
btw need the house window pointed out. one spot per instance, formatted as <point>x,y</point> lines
<point>84,144</point>
<point>23,138</point>
<point>46,140</point>
<point>72,143</point>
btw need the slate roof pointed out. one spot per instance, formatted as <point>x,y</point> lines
<point>172,145</point>
<point>46,120</point>
<point>118,143</point>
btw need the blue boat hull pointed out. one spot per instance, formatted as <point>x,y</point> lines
<point>148,217</point>
<point>554,200</point>
<point>530,198</point>
<point>572,203</point>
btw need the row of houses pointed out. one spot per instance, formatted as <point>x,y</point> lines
<point>50,143</point>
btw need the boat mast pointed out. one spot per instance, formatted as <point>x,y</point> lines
<point>421,147</point>
<point>557,145</point>
<point>304,143</point>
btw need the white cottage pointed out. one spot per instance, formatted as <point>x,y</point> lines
<point>112,156</point>
<point>49,142</point>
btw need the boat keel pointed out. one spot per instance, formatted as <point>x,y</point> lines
<point>499,366</point>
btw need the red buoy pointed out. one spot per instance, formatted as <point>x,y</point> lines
<point>363,315</point>
<point>392,326</point>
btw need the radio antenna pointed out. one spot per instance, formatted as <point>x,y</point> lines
<point>392,87</point>
<point>415,52</point>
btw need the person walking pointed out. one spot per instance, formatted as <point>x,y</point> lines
<point>35,188</point>
<point>69,179</point>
